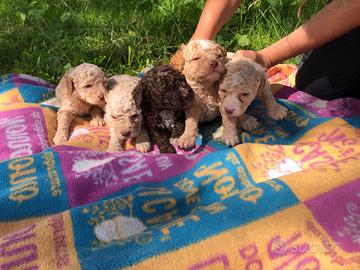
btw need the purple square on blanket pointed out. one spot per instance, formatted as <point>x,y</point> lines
<point>326,108</point>
<point>338,212</point>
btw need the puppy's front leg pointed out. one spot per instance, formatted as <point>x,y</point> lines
<point>248,122</point>
<point>177,131</point>
<point>188,138</point>
<point>274,109</point>
<point>116,141</point>
<point>229,136</point>
<point>142,143</point>
<point>97,119</point>
<point>64,119</point>
<point>161,139</point>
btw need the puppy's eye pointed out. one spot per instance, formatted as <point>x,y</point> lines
<point>134,117</point>
<point>117,117</point>
<point>223,90</point>
<point>243,96</point>
<point>219,56</point>
<point>195,58</point>
<point>88,86</point>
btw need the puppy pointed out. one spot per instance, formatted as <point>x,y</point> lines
<point>166,95</point>
<point>123,113</point>
<point>203,64</point>
<point>80,92</point>
<point>244,81</point>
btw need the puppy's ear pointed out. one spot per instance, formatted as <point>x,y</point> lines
<point>138,94</point>
<point>111,83</point>
<point>261,88</point>
<point>177,61</point>
<point>223,51</point>
<point>263,79</point>
<point>264,87</point>
<point>66,84</point>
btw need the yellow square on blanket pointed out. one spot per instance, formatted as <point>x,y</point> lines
<point>11,96</point>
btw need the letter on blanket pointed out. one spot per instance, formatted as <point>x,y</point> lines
<point>18,250</point>
<point>169,203</point>
<point>224,186</point>
<point>23,181</point>
<point>212,172</point>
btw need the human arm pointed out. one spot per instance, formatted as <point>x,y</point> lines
<point>335,19</point>
<point>214,15</point>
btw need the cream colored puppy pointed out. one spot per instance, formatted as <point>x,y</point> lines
<point>244,81</point>
<point>80,92</point>
<point>123,114</point>
<point>203,64</point>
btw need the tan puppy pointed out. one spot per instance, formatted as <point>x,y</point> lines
<point>123,114</point>
<point>80,91</point>
<point>203,65</point>
<point>243,82</point>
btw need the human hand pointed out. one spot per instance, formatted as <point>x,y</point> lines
<point>257,56</point>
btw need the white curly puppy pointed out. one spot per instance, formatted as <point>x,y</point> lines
<point>123,114</point>
<point>80,92</point>
<point>203,64</point>
<point>243,82</point>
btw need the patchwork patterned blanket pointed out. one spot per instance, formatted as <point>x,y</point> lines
<point>287,197</point>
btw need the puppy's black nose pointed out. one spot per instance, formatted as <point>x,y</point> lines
<point>213,64</point>
<point>229,110</point>
<point>126,133</point>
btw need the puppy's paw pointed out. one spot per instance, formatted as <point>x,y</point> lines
<point>115,147</point>
<point>229,139</point>
<point>143,147</point>
<point>277,112</point>
<point>187,141</point>
<point>97,122</point>
<point>60,138</point>
<point>174,141</point>
<point>248,123</point>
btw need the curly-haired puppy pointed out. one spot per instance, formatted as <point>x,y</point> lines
<point>166,95</point>
<point>203,64</point>
<point>243,82</point>
<point>80,92</point>
<point>123,113</point>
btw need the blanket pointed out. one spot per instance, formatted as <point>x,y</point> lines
<point>287,197</point>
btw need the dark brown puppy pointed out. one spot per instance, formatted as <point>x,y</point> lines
<point>165,96</point>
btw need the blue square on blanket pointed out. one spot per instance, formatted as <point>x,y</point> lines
<point>216,195</point>
<point>6,84</point>
<point>32,186</point>
<point>35,93</point>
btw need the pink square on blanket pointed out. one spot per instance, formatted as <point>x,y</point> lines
<point>338,212</point>
<point>22,132</point>
<point>92,175</point>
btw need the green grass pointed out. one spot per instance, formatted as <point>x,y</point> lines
<point>45,38</point>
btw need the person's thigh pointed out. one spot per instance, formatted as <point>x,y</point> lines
<point>332,71</point>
